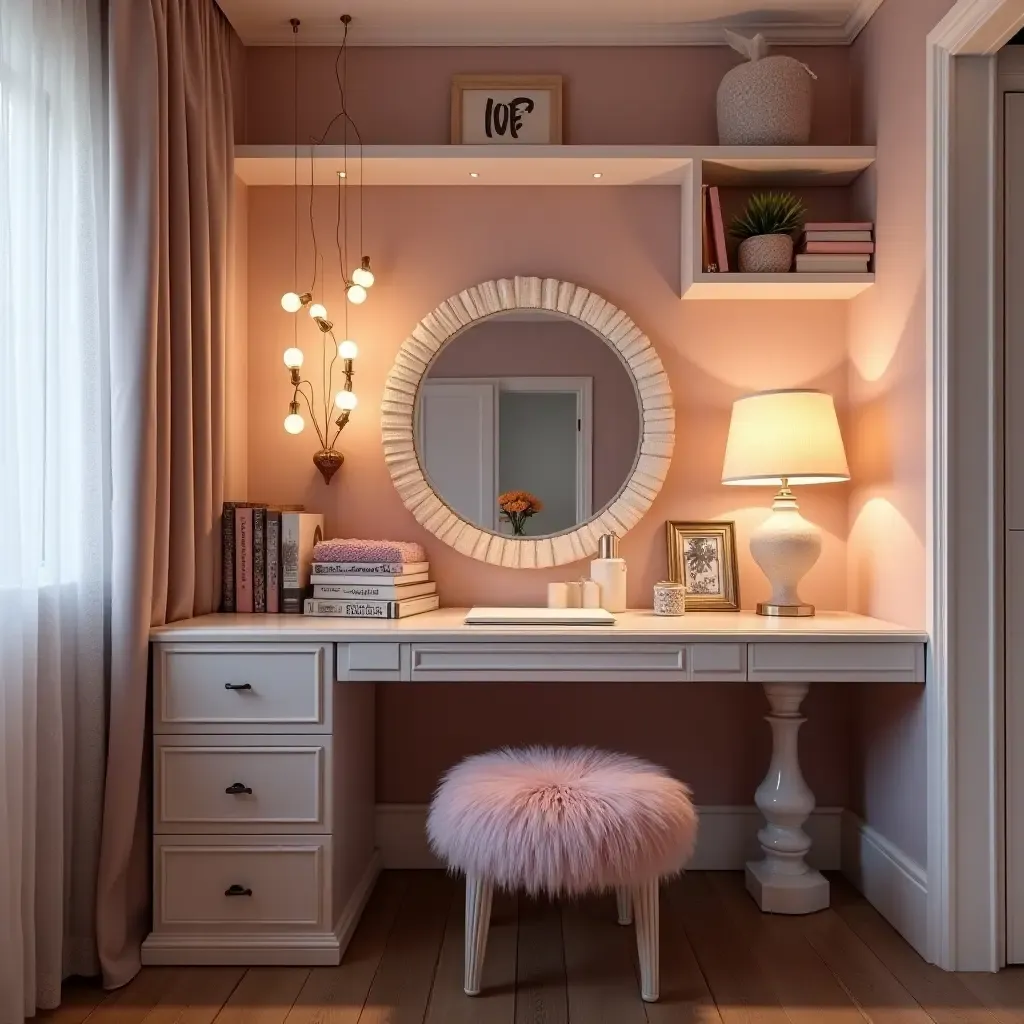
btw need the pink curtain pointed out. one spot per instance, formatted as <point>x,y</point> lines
<point>170,165</point>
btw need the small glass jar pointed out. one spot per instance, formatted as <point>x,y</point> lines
<point>669,598</point>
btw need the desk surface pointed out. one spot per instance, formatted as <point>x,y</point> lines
<point>447,625</point>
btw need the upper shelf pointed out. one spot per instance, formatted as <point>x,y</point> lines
<point>554,165</point>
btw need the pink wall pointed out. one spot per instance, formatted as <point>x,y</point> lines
<point>623,243</point>
<point>611,94</point>
<point>887,390</point>
<point>559,348</point>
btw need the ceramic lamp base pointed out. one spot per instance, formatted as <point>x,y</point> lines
<point>785,547</point>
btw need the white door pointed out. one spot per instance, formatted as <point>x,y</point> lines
<point>456,446</point>
<point>1013,304</point>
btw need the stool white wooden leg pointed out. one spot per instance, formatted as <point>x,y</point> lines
<point>782,883</point>
<point>478,922</point>
<point>624,904</point>
<point>648,927</point>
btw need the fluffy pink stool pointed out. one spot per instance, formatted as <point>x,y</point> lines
<point>563,822</point>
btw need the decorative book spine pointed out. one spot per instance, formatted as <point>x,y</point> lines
<point>243,559</point>
<point>273,561</point>
<point>259,559</point>
<point>721,253</point>
<point>227,556</point>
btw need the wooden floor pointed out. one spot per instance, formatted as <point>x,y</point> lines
<point>722,962</point>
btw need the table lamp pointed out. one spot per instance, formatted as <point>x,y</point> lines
<point>778,438</point>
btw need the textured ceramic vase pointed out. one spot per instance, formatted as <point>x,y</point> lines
<point>765,102</point>
<point>766,254</point>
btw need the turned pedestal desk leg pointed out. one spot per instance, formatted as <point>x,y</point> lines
<point>781,882</point>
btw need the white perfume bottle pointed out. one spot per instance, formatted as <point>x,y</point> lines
<point>609,571</point>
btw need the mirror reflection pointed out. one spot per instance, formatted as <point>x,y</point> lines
<point>527,423</point>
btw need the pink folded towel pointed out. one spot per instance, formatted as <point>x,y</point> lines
<point>354,550</point>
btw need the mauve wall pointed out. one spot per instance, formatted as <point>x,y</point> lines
<point>426,244</point>
<point>612,95</point>
<point>559,348</point>
<point>887,444</point>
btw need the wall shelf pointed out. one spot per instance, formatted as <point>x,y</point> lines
<point>778,286</point>
<point>685,167</point>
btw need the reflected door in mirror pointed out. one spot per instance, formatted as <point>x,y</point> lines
<point>533,402</point>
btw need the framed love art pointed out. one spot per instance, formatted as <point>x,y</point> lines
<point>507,110</point>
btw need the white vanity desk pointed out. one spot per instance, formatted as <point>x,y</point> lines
<point>263,749</point>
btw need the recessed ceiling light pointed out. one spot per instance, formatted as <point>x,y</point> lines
<point>473,174</point>
<point>598,174</point>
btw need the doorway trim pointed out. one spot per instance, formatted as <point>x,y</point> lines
<point>965,695</point>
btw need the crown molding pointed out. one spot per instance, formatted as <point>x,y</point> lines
<point>796,33</point>
<point>859,18</point>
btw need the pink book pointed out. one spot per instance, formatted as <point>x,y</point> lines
<point>839,225</point>
<point>845,248</point>
<point>243,559</point>
<point>718,228</point>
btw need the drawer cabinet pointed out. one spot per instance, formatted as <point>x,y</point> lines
<point>221,884</point>
<point>263,848</point>
<point>234,688</point>
<point>273,784</point>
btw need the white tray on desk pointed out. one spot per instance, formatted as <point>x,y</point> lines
<point>539,617</point>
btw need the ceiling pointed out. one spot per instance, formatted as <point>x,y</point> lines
<point>547,22</point>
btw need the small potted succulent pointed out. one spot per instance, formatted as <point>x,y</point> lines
<point>765,230</point>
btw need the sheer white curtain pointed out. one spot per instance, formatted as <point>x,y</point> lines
<point>54,495</point>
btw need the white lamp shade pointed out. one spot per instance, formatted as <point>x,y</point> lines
<point>784,434</point>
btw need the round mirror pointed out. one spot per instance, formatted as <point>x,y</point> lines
<point>525,418</point>
<point>527,424</point>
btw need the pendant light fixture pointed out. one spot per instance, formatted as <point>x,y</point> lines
<point>319,402</point>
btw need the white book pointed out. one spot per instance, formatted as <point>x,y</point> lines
<point>361,579</point>
<point>299,532</point>
<point>373,609</point>
<point>831,263</point>
<point>372,591</point>
<point>539,617</point>
<point>369,568</point>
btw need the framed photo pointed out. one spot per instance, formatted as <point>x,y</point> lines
<point>507,110</point>
<point>703,556</point>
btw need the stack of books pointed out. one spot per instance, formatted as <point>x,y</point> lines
<point>836,247</point>
<point>266,555</point>
<point>351,580</point>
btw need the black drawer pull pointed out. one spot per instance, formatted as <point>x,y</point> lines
<point>237,890</point>
<point>235,788</point>
<point>238,686</point>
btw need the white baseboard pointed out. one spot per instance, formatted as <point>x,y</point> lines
<point>726,841</point>
<point>892,882</point>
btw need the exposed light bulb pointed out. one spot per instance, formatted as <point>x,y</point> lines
<point>294,423</point>
<point>363,275</point>
<point>317,309</point>
<point>356,294</point>
<point>293,358</point>
<point>346,400</point>
<point>290,302</point>
<point>348,350</point>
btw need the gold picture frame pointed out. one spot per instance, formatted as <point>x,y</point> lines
<point>710,571</point>
<point>515,127</point>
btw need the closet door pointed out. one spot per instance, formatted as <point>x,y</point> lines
<point>1013,303</point>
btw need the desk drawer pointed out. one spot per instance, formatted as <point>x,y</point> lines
<point>201,784</point>
<point>228,884</point>
<point>860,662</point>
<point>241,688</point>
<point>596,661</point>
